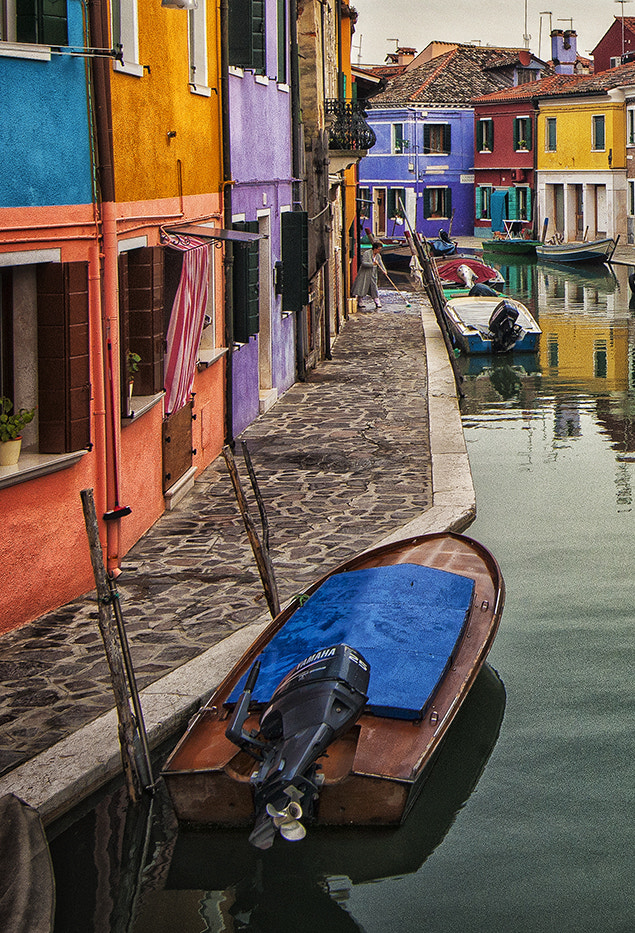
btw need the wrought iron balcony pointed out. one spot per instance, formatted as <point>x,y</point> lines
<point>347,128</point>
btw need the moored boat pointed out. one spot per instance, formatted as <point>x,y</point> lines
<point>595,251</point>
<point>421,614</point>
<point>451,272</point>
<point>491,324</point>
<point>514,245</point>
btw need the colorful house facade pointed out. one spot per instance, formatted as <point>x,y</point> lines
<point>97,278</point>
<point>424,123</point>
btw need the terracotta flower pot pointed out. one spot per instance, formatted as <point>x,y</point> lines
<point>10,452</point>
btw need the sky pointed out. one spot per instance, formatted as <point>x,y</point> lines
<point>415,23</point>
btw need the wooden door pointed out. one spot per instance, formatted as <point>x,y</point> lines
<point>177,445</point>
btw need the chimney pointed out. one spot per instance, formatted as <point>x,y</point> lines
<point>564,50</point>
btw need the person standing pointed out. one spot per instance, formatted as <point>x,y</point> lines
<point>366,279</point>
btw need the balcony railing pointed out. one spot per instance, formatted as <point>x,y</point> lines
<point>349,130</point>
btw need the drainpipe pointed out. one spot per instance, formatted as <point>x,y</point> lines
<point>98,17</point>
<point>296,165</point>
<point>227,213</point>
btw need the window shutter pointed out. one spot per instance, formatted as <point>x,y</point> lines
<point>447,138</point>
<point>145,316</point>
<point>258,36</point>
<point>512,201</point>
<point>479,202</point>
<point>63,357</point>
<point>246,285</point>
<point>448,202</point>
<point>516,135</point>
<point>295,260</point>
<point>479,136</point>
<point>491,136</point>
<point>426,139</point>
<point>529,126</point>
<point>426,202</point>
<point>282,42</point>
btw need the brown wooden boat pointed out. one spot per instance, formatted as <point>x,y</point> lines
<point>373,771</point>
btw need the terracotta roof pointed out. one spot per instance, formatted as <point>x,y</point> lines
<point>567,85</point>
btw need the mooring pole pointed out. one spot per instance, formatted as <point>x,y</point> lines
<point>113,650</point>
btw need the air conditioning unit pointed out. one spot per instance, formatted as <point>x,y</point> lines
<point>518,174</point>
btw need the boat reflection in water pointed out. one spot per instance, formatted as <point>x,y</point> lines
<point>220,878</point>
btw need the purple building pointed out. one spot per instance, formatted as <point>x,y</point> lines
<point>259,195</point>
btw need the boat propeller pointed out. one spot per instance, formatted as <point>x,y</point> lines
<point>288,821</point>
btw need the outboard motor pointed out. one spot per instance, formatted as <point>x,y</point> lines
<point>316,702</point>
<point>503,328</point>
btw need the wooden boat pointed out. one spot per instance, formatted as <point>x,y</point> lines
<point>514,245</point>
<point>488,324</point>
<point>578,252</point>
<point>422,613</point>
<point>451,273</point>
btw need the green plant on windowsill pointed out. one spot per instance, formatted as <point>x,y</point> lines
<point>11,425</point>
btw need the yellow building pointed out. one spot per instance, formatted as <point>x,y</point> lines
<point>581,162</point>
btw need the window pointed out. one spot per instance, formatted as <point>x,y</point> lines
<point>247,35</point>
<point>295,260</point>
<point>550,134</point>
<point>484,202</point>
<point>523,203</point>
<point>197,49</point>
<point>437,202</point>
<point>436,138</point>
<point>598,133</point>
<point>45,356</point>
<point>364,202</point>
<point>631,198</point>
<point>525,75</point>
<point>396,197</point>
<point>522,134</point>
<point>397,144</point>
<point>630,126</point>
<point>125,27</point>
<point>485,135</point>
<point>42,22</point>
<point>246,281</point>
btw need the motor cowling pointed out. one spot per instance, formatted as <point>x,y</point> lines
<point>316,702</point>
<point>504,331</point>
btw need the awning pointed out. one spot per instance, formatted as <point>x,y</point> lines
<point>209,233</point>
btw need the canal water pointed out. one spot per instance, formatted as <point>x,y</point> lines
<point>526,822</point>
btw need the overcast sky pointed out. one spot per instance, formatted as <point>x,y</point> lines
<point>415,23</point>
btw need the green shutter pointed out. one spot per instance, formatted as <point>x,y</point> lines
<point>246,285</point>
<point>258,36</point>
<point>282,42</point>
<point>426,203</point>
<point>479,201</point>
<point>529,132</point>
<point>295,260</point>
<point>516,134</point>
<point>512,204</point>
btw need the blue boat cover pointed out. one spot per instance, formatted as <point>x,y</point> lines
<point>405,619</point>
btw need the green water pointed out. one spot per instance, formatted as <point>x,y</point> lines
<point>526,823</point>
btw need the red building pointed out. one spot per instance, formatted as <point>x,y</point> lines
<point>619,40</point>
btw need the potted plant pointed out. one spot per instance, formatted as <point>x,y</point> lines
<point>11,426</point>
<point>133,367</point>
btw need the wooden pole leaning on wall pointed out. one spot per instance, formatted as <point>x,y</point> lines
<point>133,768</point>
<point>260,550</point>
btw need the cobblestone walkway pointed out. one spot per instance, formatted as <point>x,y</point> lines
<point>341,460</point>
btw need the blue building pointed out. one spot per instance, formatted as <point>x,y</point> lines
<point>421,170</point>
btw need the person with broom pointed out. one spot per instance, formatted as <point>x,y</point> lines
<point>366,279</point>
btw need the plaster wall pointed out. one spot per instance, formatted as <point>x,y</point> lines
<point>43,547</point>
<point>44,146</point>
<point>147,108</point>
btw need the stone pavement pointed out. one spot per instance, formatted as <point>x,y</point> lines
<point>342,460</point>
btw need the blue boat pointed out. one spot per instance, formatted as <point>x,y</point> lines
<point>491,324</point>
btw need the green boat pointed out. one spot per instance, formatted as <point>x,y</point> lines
<point>515,245</point>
